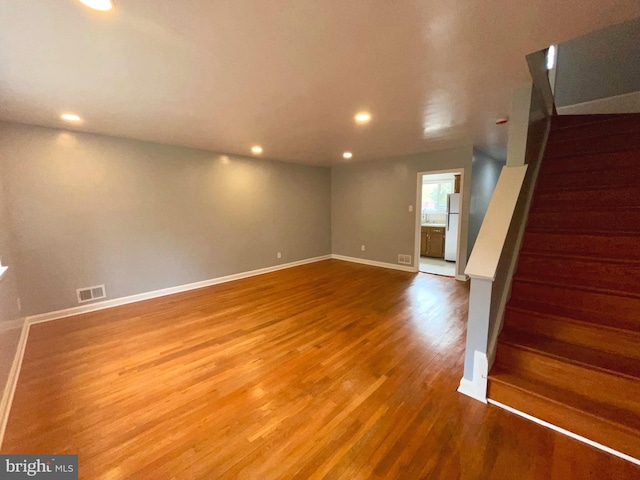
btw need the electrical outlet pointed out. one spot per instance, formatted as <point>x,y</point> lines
<point>279,255</point>
<point>362,248</point>
<point>19,302</point>
<point>411,208</point>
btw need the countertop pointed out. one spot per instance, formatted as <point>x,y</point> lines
<point>440,225</point>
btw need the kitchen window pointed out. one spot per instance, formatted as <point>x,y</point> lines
<point>434,196</point>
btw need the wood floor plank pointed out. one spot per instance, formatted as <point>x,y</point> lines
<point>327,370</point>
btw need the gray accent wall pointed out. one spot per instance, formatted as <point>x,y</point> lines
<point>602,64</point>
<point>135,216</point>
<point>485,171</point>
<point>370,203</point>
<point>10,319</point>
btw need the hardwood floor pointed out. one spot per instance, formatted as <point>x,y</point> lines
<point>328,370</point>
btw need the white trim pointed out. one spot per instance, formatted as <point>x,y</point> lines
<point>45,317</point>
<point>418,220</point>
<point>486,253</point>
<point>513,263</point>
<point>468,388</point>
<point>566,432</point>
<point>476,388</point>
<point>12,381</point>
<point>373,263</point>
<point>625,103</point>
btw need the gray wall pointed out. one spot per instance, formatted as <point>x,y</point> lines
<point>484,177</point>
<point>370,203</point>
<point>598,65</point>
<point>10,322</point>
<point>89,209</point>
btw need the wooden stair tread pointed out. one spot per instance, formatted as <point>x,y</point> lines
<point>589,162</point>
<point>599,210</point>
<point>626,221</point>
<point>613,275</point>
<point>605,245</point>
<point>621,418</point>
<point>564,313</point>
<point>583,256</point>
<point>604,337</point>
<point>523,277</point>
<point>599,187</point>
<point>609,142</point>
<point>577,355</point>
<point>589,305</point>
<point>560,122</point>
<point>587,199</point>
<point>600,127</point>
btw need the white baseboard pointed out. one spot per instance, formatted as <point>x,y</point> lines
<point>476,388</point>
<point>12,382</point>
<point>468,388</point>
<point>46,317</point>
<point>566,432</point>
<point>373,263</point>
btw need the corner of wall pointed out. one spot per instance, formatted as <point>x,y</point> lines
<point>9,388</point>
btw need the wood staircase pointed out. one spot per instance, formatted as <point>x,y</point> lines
<point>569,352</point>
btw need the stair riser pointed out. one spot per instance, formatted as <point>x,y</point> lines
<point>589,130</point>
<point>588,382</point>
<point>575,421</point>
<point>619,342</point>
<point>605,144</point>
<point>582,245</point>
<point>619,277</point>
<point>582,222</point>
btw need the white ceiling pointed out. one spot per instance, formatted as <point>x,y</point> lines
<point>286,74</point>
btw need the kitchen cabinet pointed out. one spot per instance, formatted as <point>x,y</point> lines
<point>456,184</point>
<point>432,242</point>
<point>423,242</point>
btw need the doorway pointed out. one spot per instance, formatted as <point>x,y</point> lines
<point>438,225</point>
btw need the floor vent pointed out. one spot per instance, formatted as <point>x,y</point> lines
<point>91,293</point>
<point>404,259</point>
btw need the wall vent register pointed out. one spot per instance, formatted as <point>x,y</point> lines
<point>91,293</point>
<point>404,259</point>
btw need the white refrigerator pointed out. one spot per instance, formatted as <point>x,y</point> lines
<point>451,234</point>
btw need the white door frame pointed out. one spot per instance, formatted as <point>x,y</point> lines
<point>418,223</point>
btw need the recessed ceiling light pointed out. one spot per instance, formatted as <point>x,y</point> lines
<point>70,117</point>
<point>102,5</point>
<point>363,117</point>
<point>347,155</point>
<point>257,150</point>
